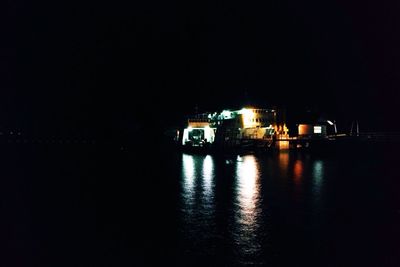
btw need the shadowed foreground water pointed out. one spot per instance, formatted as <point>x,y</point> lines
<point>97,206</point>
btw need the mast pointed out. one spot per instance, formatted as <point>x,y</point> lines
<point>357,129</point>
<point>351,129</point>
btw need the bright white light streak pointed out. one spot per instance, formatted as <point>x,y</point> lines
<point>247,188</point>
<point>208,170</point>
<point>188,173</point>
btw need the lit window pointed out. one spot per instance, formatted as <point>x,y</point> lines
<point>317,129</point>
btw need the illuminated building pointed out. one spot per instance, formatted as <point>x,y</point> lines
<point>312,130</point>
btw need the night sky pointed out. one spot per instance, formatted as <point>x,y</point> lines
<point>96,68</point>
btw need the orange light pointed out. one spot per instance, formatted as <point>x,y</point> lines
<point>298,171</point>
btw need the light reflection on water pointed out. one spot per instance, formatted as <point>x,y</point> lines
<point>298,177</point>
<point>248,211</point>
<point>240,204</point>
<point>318,179</point>
<point>283,159</point>
<point>197,201</point>
<point>208,183</point>
<point>198,175</point>
<point>298,171</point>
<point>188,171</point>
<point>318,169</point>
<point>247,189</point>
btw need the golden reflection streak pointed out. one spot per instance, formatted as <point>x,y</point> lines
<point>283,162</point>
<point>298,171</point>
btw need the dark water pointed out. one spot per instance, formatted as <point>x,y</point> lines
<point>97,206</point>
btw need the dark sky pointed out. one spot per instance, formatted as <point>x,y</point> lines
<point>88,67</point>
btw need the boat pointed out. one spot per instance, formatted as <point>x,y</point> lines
<point>242,129</point>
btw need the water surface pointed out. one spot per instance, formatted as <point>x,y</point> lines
<point>98,206</point>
